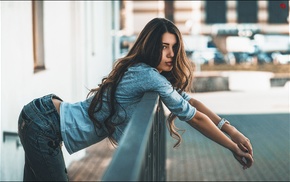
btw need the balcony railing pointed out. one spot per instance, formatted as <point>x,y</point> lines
<point>141,152</point>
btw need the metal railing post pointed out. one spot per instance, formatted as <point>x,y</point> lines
<point>141,154</point>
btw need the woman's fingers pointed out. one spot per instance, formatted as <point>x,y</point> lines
<point>246,146</point>
<point>248,160</point>
<point>245,159</point>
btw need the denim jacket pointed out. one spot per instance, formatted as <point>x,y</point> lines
<point>79,132</point>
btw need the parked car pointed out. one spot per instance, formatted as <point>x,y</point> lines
<point>264,57</point>
<point>243,57</point>
<point>281,58</point>
<point>219,58</point>
<point>206,55</point>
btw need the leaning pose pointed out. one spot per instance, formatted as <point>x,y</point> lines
<point>156,62</point>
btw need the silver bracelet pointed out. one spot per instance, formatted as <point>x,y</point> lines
<point>222,122</point>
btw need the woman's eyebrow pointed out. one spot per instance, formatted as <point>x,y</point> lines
<point>168,43</point>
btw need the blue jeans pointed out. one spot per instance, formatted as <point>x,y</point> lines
<point>40,135</point>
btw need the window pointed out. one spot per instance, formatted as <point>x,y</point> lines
<point>38,37</point>
<point>169,10</point>
<point>215,11</point>
<point>247,11</point>
<point>278,11</point>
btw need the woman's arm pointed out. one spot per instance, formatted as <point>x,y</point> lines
<point>242,141</point>
<point>203,124</point>
<point>202,108</point>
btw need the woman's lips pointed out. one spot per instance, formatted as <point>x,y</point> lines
<point>168,63</point>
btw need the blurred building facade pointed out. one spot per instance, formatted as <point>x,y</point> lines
<point>198,17</point>
<point>47,47</point>
<point>230,26</point>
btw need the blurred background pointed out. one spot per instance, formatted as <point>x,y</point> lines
<point>67,47</point>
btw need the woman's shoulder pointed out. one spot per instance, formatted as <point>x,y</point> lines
<point>142,67</point>
<point>147,77</point>
<point>147,72</point>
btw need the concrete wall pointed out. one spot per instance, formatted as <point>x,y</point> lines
<point>78,53</point>
<point>209,81</point>
<point>279,81</point>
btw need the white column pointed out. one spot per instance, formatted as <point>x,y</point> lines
<point>231,13</point>
<point>129,25</point>
<point>196,18</point>
<point>262,12</point>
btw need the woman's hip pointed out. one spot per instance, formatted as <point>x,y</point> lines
<point>39,117</point>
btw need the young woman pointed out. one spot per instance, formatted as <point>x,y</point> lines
<point>156,62</point>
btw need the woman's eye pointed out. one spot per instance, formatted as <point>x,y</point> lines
<point>164,47</point>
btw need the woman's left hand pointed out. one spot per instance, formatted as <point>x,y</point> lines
<point>245,159</point>
<point>242,141</point>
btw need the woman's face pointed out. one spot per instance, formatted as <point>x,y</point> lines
<point>168,47</point>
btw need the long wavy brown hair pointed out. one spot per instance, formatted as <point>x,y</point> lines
<point>146,49</point>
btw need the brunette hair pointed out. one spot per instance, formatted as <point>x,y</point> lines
<point>146,49</point>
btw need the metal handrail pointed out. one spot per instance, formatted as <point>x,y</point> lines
<point>7,134</point>
<point>141,152</point>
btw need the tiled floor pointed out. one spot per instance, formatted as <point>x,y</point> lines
<point>200,159</point>
<point>93,165</point>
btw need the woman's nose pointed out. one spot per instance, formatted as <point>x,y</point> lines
<point>170,53</point>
